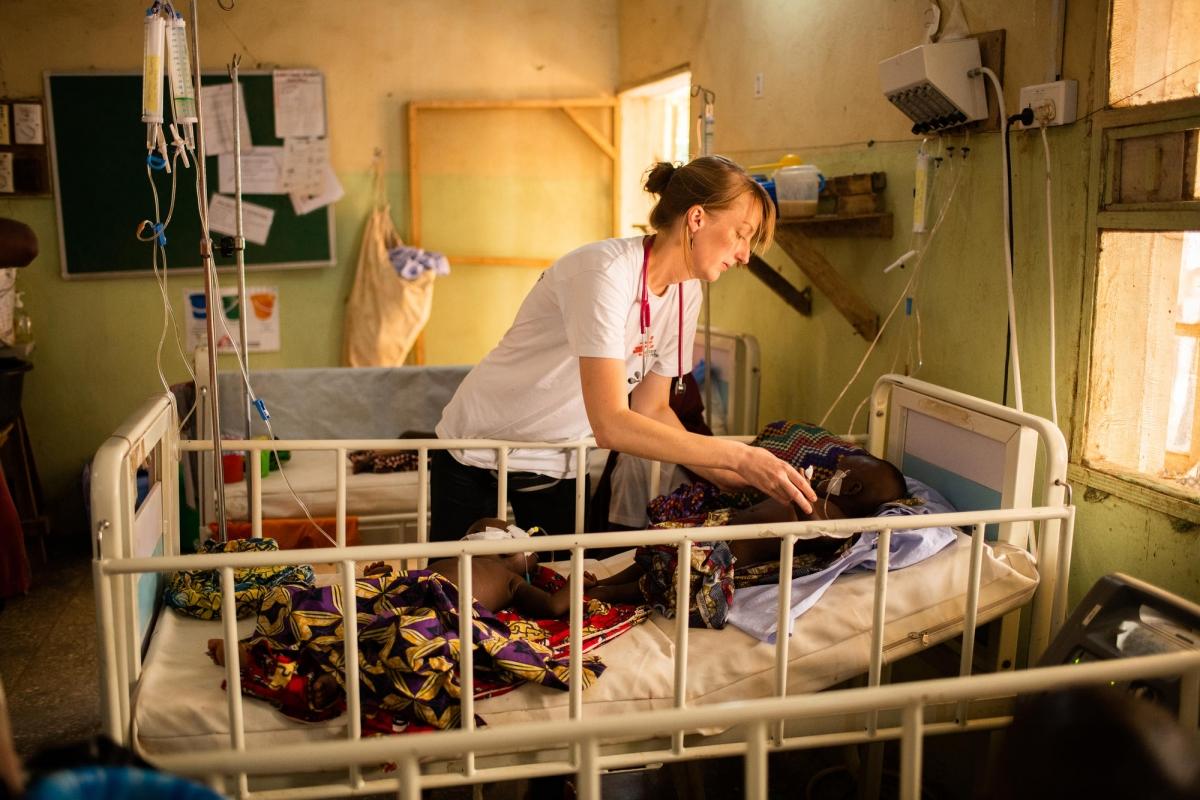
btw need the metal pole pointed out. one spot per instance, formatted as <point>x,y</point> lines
<point>239,249</point>
<point>211,303</point>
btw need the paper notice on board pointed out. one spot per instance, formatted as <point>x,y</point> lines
<point>305,162</point>
<point>217,102</point>
<point>256,219</point>
<point>262,323</point>
<point>27,124</point>
<point>7,184</point>
<point>299,103</point>
<point>331,192</point>
<point>262,171</point>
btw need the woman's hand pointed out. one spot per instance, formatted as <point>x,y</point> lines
<point>777,478</point>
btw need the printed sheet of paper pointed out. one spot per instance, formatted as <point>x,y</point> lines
<point>256,219</point>
<point>27,124</point>
<point>262,323</point>
<point>217,102</point>
<point>299,103</point>
<point>5,130</point>
<point>305,162</point>
<point>331,192</point>
<point>7,183</point>
<point>262,171</point>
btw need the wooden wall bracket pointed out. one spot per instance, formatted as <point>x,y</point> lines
<point>799,299</point>
<point>826,278</point>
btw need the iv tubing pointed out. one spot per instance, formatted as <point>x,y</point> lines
<point>1008,262</point>
<point>1050,275</point>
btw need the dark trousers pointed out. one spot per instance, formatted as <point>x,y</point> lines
<point>462,494</point>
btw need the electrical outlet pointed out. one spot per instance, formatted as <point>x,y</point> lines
<point>1052,103</point>
<point>758,84</point>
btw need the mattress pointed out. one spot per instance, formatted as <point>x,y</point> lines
<point>179,705</point>
<point>312,476</point>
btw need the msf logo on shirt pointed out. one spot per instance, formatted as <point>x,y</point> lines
<point>646,348</point>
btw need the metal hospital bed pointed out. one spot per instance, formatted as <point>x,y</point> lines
<point>980,455</point>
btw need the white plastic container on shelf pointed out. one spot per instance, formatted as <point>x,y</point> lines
<point>797,189</point>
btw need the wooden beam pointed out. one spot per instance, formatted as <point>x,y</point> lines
<point>591,133</point>
<point>498,261</point>
<point>414,190</point>
<point>799,299</point>
<point>874,225</point>
<point>826,278</point>
<point>461,105</point>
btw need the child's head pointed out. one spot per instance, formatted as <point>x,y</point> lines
<point>495,528</point>
<point>866,483</point>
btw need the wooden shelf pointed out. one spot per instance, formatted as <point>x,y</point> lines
<point>876,225</point>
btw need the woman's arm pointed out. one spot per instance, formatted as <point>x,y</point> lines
<point>616,426</point>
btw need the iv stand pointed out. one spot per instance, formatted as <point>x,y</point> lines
<point>239,249</point>
<point>211,303</point>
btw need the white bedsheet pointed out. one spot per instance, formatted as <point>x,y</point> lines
<point>313,477</point>
<point>180,706</point>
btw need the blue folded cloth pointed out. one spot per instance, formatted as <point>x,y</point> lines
<point>756,608</point>
<point>412,262</point>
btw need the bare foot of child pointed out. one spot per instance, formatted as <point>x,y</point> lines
<point>216,651</point>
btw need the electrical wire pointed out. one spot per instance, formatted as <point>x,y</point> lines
<point>1050,276</point>
<point>1008,263</point>
<point>919,261</point>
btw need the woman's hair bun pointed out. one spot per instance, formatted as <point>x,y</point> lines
<point>659,176</point>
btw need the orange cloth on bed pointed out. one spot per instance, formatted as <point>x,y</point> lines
<point>295,534</point>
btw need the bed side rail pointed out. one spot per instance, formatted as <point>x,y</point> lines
<point>348,560</point>
<point>756,718</point>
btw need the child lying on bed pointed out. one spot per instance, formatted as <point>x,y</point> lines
<point>857,487</point>
<point>408,641</point>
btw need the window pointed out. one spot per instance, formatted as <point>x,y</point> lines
<point>654,127</point>
<point>1141,407</point>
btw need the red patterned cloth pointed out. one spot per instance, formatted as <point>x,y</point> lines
<point>602,622</point>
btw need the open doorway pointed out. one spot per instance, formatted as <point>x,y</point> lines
<point>654,127</point>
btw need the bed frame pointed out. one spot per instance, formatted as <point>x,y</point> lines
<point>136,543</point>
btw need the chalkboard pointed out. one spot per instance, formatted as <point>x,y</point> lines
<point>98,158</point>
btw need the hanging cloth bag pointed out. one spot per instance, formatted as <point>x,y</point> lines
<point>384,313</point>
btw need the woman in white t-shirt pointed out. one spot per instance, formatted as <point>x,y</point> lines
<point>592,351</point>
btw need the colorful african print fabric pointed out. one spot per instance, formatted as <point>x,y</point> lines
<point>803,445</point>
<point>688,501</point>
<point>710,581</point>
<point>197,593</point>
<point>408,649</point>
<point>602,622</point>
<point>383,461</point>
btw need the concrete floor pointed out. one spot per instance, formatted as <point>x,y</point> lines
<point>48,657</point>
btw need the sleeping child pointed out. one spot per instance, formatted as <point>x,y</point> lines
<point>408,640</point>
<point>850,483</point>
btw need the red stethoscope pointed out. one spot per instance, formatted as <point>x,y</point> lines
<point>644,324</point>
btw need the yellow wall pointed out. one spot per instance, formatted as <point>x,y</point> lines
<point>96,339</point>
<point>822,101</point>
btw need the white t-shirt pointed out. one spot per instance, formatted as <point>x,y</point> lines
<point>527,388</point>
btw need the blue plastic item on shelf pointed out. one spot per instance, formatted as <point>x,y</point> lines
<point>769,185</point>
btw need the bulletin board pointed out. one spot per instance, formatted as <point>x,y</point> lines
<point>98,161</point>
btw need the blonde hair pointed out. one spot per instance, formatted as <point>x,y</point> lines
<point>711,182</point>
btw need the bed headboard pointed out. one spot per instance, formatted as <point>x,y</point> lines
<point>736,372</point>
<point>977,460</point>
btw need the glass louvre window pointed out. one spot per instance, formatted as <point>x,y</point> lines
<point>1154,51</point>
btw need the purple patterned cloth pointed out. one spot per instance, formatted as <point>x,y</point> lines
<point>408,645</point>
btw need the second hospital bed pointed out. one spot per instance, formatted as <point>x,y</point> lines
<point>166,700</point>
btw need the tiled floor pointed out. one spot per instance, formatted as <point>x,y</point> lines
<point>48,656</point>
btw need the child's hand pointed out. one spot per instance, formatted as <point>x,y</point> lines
<point>377,568</point>
<point>589,580</point>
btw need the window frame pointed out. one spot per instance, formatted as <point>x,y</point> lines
<point>1108,127</point>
